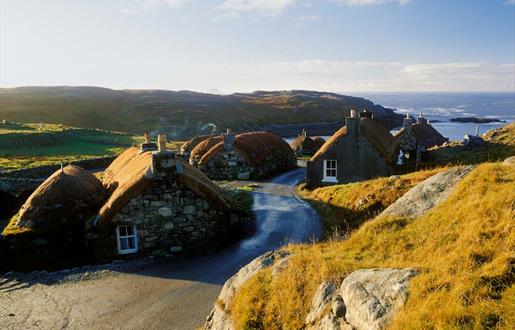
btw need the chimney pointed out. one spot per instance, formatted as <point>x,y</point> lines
<point>408,121</point>
<point>304,133</point>
<point>229,138</point>
<point>366,114</point>
<point>353,123</point>
<point>477,130</point>
<point>163,160</point>
<point>421,119</point>
<point>147,145</point>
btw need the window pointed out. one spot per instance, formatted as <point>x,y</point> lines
<point>127,239</point>
<point>330,170</point>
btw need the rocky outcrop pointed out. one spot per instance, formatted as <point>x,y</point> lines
<point>510,161</point>
<point>427,194</point>
<point>219,318</point>
<point>366,299</point>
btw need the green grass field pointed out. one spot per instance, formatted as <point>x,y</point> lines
<point>31,145</point>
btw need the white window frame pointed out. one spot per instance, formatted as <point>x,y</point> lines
<point>133,236</point>
<point>327,178</point>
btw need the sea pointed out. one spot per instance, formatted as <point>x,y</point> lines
<point>439,108</point>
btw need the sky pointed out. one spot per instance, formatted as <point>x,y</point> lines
<point>226,46</point>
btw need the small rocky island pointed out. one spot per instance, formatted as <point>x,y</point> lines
<point>476,120</point>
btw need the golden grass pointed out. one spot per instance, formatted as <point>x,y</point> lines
<point>464,250</point>
<point>344,207</point>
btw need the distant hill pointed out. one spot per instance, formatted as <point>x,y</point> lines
<point>179,113</point>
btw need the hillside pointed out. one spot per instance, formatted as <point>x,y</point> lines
<point>345,207</point>
<point>31,145</point>
<point>499,144</point>
<point>179,113</point>
<point>462,250</point>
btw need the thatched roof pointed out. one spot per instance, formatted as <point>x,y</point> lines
<point>129,175</point>
<point>307,143</point>
<point>254,147</point>
<point>376,135</point>
<point>193,142</point>
<point>203,147</point>
<point>61,199</point>
<point>425,134</point>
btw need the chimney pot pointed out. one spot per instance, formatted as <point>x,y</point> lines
<point>161,142</point>
<point>147,137</point>
<point>353,113</point>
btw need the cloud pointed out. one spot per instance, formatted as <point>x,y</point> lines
<point>262,7</point>
<point>149,4</point>
<point>360,76</point>
<point>372,2</point>
<point>308,18</point>
<point>509,2</point>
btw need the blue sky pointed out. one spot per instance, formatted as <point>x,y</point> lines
<point>244,45</point>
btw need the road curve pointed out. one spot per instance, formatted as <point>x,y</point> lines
<point>177,295</point>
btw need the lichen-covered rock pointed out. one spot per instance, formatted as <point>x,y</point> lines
<point>372,296</point>
<point>321,299</point>
<point>366,299</point>
<point>427,194</point>
<point>510,161</point>
<point>219,318</point>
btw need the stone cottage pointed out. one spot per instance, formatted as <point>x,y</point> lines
<point>361,150</point>
<point>159,204</point>
<point>246,156</point>
<point>414,139</point>
<point>202,148</point>
<point>189,145</point>
<point>49,229</point>
<point>305,145</point>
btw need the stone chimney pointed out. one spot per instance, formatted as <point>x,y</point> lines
<point>164,161</point>
<point>408,121</point>
<point>229,138</point>
<point>147,145</point>
<point>366,114</point>
<point>353,123</point>
<point>421,119</point>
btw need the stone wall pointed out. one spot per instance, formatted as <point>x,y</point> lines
<point>230,165</point>
<point>169,219</point>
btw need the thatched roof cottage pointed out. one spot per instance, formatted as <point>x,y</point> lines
<point>63,200</point>
<point>360,150</point>
<point>158,205</point>
<point>48,231</point>
<point>203,147</point>
<point>414,139</point>
<point>189,145</point>
<point>245,156</point>
<point>305,145</point>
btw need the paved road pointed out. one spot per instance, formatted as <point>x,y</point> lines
<point>178,295</point>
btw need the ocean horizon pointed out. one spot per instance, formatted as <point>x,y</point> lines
<point>440,107</point>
